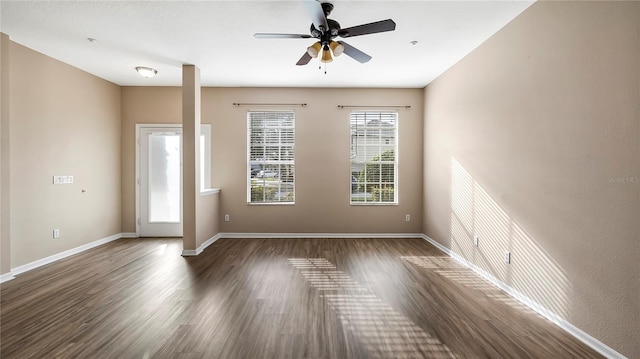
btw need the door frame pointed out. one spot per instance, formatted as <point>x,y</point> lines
<point>137,184</point>
<point>207,169</point>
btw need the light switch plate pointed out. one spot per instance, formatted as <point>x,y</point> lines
<point>62,179</point>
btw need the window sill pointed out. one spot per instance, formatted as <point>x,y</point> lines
<point>271,204</point>
<point>209,191</point>
<point>373,204</point>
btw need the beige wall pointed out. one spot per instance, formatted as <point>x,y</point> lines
<point>5,190</point>
<point>63,122</point>
<point>201,217</point>
<point>533,142</point>
<point>322,161</point>
<point>157,105</point>
<point>142,105</point>
<point>190,154</point>
<point>207,217</point>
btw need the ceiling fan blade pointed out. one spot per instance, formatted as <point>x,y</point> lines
<point>263,35</point>
<point>371,28</point>
<point>316,13</point>
<point>356,54</point>
<point>304,59</point>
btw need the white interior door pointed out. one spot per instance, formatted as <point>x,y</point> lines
<point>160,181</point>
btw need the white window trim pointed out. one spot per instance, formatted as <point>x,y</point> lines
<point>205,171</point>
<point>396,163</point>
<point>248,170</point>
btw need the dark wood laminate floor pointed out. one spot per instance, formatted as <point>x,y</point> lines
<point>269,298</point>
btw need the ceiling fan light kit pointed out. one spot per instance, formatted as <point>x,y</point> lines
<point>314,49</point>
<point>336,48</point>
<point>325,30</point>
<point>333,48</point>
<point>326,55</point>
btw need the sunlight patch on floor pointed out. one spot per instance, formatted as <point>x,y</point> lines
<point>385,332</point>
<point>456,272</point>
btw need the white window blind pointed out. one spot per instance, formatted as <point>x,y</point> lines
<point>374,160</point>
<point>271,152</point>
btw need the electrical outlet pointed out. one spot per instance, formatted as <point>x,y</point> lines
<point>476,240</point>
<point>507,257</point>
<point>56,233</point>
<point>407,217</point>
<point>226,218</point>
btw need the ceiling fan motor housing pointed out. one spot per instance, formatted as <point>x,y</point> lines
<point>325,37</point>
<point>327,7</point>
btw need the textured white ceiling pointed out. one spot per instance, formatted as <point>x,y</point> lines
<point>217,36</point>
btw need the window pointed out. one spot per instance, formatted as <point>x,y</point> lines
<point>374,161</point>
<point>205,157</point>
<point>271,139</point>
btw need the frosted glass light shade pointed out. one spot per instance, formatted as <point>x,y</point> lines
<point>314,49</point>
<point>146,72</point>
<point>336,48</point>
<point>326,56</point>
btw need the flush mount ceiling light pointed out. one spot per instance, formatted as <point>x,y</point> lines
<point>146,72</point>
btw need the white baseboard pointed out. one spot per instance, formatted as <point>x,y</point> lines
<point>6,277</point>
<point>129,235</point>
<point>56,257</point>
<point>189,252</point>
<point>553,317</point>
<point>195,252</point>
<point>320,235</point>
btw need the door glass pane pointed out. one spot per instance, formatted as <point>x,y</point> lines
<point>164,178</point>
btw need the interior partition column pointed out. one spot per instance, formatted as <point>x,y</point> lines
<point>5,192</point>
<point>190,154</point>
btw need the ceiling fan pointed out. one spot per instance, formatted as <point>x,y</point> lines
<point>325,30</point>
